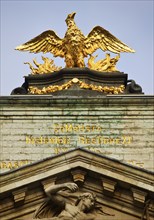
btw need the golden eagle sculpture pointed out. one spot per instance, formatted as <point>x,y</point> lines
<point>75,46</point>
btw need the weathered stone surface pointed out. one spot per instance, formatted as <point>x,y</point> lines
<point>36,127</point>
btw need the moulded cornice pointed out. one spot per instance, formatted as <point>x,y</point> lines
<point>78,158</point>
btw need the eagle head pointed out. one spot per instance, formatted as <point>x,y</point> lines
<point>70,17</point>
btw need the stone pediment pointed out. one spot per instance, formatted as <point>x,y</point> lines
<point>123,191</point>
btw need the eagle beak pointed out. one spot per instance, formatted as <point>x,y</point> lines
<point>73,14</point>
<point>70,16</point>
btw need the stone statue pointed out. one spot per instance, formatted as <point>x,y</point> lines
<point>64,204</point>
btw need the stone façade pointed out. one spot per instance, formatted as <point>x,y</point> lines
<point>121,189</point>
<point>36,127</point>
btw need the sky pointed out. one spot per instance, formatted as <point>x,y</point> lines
<point>130,21</point>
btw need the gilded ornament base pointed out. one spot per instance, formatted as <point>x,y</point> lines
<point>81,84</point>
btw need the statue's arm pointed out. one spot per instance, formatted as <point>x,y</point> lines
<point>52,191</point>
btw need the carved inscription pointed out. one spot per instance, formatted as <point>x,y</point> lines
<point>105,140</point>
<point>13,164</point>
<point>66,134</point>
<point>62,137</point>
<point>82,139</point>
<point>78,128</point>
<point>47,140</point>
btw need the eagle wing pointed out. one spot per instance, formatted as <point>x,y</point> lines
<point>47,41</point>
<point>99,38</point>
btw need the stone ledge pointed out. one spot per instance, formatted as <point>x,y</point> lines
<point>47,100</point>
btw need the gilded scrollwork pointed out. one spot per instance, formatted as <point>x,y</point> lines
<point>81,84</point>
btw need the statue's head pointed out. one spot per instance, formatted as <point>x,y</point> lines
<point>70,17</point>
<point>88,200</point>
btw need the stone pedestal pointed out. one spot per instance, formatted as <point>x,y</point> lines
<point>78,81</point>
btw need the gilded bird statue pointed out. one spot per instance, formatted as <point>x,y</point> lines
<point>74,47</point>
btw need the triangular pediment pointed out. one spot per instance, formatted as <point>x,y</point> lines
<point>121,189</point>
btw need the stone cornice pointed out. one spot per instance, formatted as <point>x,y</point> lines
<point>102,166</point>
<point>107,100</point>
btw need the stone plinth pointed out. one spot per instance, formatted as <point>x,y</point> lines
<point>78,81</point>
